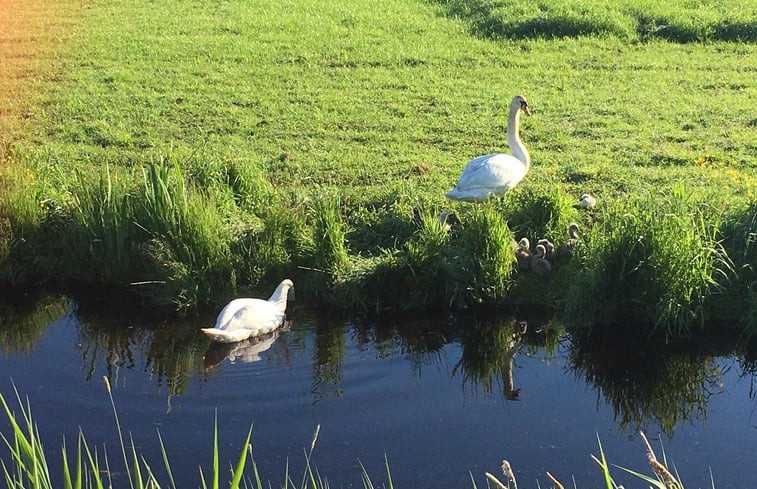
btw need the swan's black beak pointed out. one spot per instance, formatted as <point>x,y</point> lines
<point>524,108</point>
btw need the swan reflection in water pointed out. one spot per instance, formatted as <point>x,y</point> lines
<point>488,354</point>
<point>247,351</point>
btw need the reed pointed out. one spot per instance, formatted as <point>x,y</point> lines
<point>739,300</point>
<point>537,214</point>
<point>100,240</point>
<point>185,239</point>
<point>27,466</point>
<point>429,264</point>
<point>330,259</point>
<point>22,211</point>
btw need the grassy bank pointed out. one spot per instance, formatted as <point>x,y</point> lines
<point>190,158</point>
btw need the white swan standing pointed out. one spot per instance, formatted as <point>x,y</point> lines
<point>496,173</point>
<point>245,318</point>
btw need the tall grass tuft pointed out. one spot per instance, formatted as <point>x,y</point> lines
<point>534,215</point>
<point>429,264</point>
<point>21,216</point>
<point>187,239</point>
<point>483,260</point>
<point>102,237</point>
<point>739,302</point>
<point>653,265</point>
<point>27,466</point>
<point>330,259</point>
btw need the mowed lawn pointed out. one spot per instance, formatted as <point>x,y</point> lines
<point>368,97</point>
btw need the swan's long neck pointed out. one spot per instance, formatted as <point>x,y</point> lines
<point>513,137</point>
<point>280,295</point>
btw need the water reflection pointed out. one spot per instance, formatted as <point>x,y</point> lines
<point>488,353</point>
<point>329,351</point>
<point>22,324</point>
<point>665,384</point>
<point>247,351</point>
<point>662,386</point>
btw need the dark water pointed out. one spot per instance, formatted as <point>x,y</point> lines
<point>442,399</point>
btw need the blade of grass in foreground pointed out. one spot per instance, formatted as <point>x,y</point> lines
<point>603,465</point>
<point>67,483</point>
<point>120,433</point>
<point>165,460</point>
<point>238,472</point>
<point>215,452</point>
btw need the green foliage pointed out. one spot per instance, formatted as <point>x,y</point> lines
<point>428,261</point>
<point>187,237</point>
<point>329,259</point>
<point>740,240</point>
<point>484,259</point>
<point>651,266</point>
<point>535,214</point>
<point>100,240</point>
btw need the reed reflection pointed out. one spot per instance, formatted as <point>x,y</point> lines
<point>645,384</point>
<point>24,323</point>
<point>489,349</point>
<point>329,351</point>
<point>664,386</point>
<point>165,347</point>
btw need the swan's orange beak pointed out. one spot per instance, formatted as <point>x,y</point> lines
<point>524,108</point>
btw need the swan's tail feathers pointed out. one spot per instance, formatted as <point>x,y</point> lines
<point>455,194</point>
<point>466,196</point>
<point>220,335</point>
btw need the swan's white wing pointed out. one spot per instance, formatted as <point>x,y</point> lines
<point>497,172</point>
<point>257,316</point>
<point>229,317</point>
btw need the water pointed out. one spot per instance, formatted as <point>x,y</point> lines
<point>442,399</point>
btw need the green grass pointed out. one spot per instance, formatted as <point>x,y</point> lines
<point>690,21</point>
<point>657,265</point>
<point>193,157</point>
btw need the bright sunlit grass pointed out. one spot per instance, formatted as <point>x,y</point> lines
<point>188,154</point>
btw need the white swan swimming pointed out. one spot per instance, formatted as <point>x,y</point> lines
<point>245,318</point>
<point>496,173</point>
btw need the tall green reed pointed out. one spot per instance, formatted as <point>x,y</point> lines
<point>187,239</point>
<point>21,216</point>
<point>101,240</point>
<point>87,468</point>
<point>428,263</point>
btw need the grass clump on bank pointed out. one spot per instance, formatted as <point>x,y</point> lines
<point>655,264</point>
